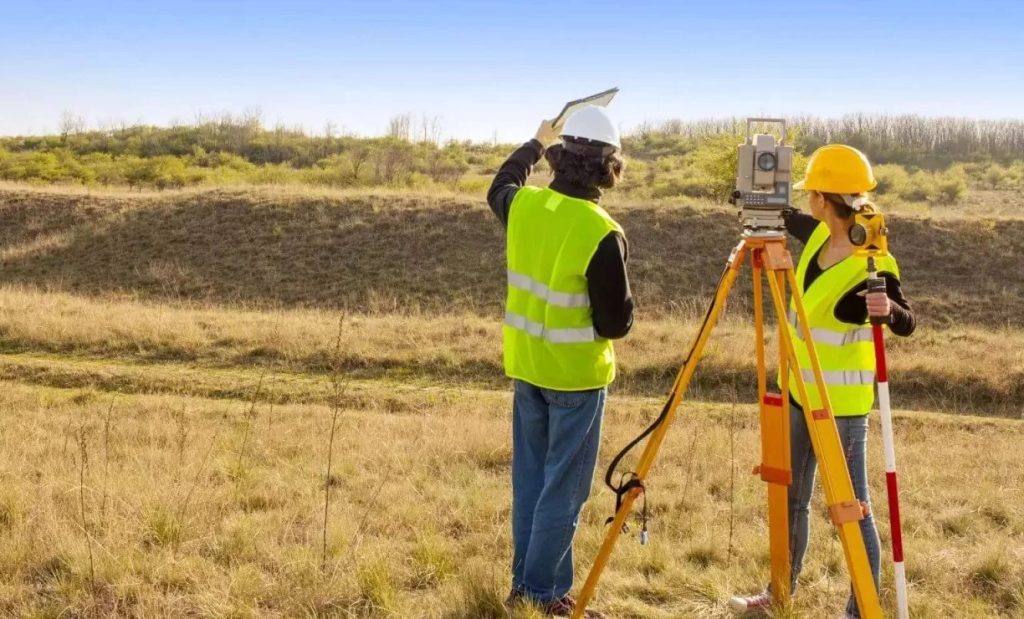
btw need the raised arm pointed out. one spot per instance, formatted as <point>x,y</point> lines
<point>517,168</point>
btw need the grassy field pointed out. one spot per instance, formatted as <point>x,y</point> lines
<point>173,372</point>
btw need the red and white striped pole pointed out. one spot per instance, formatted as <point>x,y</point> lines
<point>877,284</point>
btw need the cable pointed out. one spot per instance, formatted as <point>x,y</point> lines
<point>633,482</point>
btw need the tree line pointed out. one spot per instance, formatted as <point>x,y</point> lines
<point>933,159</point>
<point>907,140</point>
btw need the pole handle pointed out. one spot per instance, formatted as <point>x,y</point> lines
<point>876,283</point>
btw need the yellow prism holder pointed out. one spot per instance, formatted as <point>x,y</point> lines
<point>771,260</point>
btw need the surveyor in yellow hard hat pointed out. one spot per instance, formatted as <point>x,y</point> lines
<point>834,287</point>
<point>567,297</point>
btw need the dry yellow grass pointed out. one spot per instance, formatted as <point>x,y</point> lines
<point>166,399</point>
<point>183,520</point>
<point>985,376</point>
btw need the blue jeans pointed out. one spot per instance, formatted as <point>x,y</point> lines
<point>555,439</point>
<point>853,434</point>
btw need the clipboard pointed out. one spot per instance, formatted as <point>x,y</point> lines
<point>601,99</point>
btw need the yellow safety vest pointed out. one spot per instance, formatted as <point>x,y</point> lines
<point>846,351</point>
<point>549,332</point>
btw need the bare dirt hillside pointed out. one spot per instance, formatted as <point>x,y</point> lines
<point>406,251</point>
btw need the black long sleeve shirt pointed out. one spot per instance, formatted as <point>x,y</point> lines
<point>852,308</point>
<point>607,281</point>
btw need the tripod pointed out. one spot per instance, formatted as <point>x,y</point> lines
<point>769,257</point>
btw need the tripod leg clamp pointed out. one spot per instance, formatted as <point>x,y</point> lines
<point>774,475</point>
<point>847,511</point>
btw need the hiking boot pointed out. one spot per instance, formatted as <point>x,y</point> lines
<point>565,606</point>
<point>761,601</point>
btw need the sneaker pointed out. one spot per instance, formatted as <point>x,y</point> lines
<point>760,601</point>
<point>565,606</point>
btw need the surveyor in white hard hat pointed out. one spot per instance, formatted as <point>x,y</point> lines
<point>567,297</point>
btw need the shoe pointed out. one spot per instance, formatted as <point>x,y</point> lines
<point>760,601</point>
<point>514,597</point>
<point>565,606</point>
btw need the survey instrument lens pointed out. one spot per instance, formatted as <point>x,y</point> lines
<point>763,179</point>
<point>858,234</point>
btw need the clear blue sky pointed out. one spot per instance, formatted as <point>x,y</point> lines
<point>486,67</point>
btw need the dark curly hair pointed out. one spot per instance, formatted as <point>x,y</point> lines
<point>585,163</point>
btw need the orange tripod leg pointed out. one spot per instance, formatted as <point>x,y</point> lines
<point>775,467</point>
<point>839,495</point>
<point>682,381</point>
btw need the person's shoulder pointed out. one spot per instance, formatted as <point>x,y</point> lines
<point>529,190</point>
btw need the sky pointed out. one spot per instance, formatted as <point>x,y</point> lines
<point>493,70</point>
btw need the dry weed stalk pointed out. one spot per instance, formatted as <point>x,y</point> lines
<point>181,432</point>
<point>106,464</point>
<point>689,461</point>
<point>249,416</point>
<point>337,388</point>
<point>83,466</point>
<point>732,471</point>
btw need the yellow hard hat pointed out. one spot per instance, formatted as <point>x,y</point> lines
<point>838,168</point>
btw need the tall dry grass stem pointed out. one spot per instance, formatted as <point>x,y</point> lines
<point>83,468</point>
<point>337,388</point>
<point>732,473</point>
<point>250,414</point>
<point>107,421</point>
<point>689,461</point>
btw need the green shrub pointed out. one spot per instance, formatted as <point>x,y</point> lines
<point>274,174</point>
<point>950,190</point>
<point>920,187</point>
<point>473,185</point>
<point>995,177</point>
<point>892,179</point>
<point>715,162</point>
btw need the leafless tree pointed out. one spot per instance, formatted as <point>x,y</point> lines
<point>400,127</point>
<point>431,128</point>
<point>70,124</point>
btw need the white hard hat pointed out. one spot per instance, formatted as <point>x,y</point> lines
<point>592,123</point>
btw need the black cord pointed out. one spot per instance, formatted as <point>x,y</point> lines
<point>626,485</point>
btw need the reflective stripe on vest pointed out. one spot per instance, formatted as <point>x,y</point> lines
<point>556,336</point>
<point>560,299</point>
<point>834,338</point>
<point>838,377</point>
